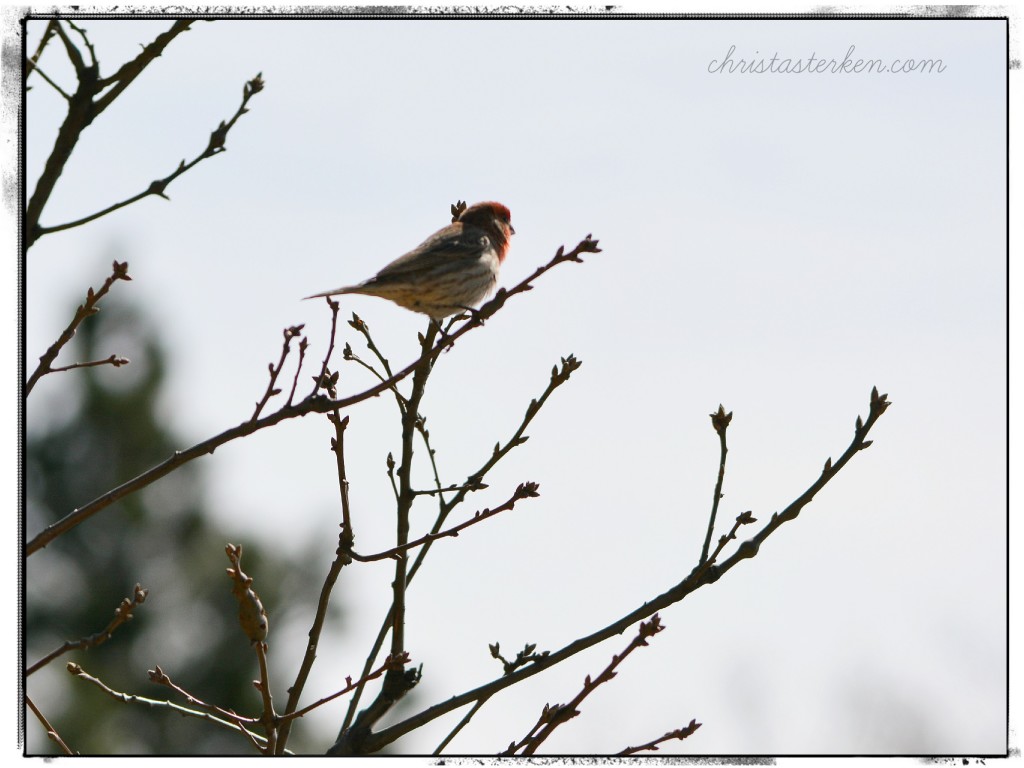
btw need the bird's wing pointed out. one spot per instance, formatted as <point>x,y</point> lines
<point>441,248</point>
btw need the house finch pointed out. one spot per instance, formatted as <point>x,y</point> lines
<point>451,270</point>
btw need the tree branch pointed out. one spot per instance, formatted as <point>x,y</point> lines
<point>720,420</point>
<point>214,146</point>
<point>84,310</point>
<point>51,732</point>
<point>82,110</point>
<point>701,575</point>
<point>554,716</point>
<point>341,559</point>
<point>525,490</point>
<point>679,733</point>
<point>558,377</point>
<point>311,404</point>
<point>122,615</point>
<point>234,722</point>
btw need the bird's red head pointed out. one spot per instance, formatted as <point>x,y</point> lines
<point>493,217</point>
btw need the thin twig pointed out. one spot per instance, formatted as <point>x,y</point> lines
<point>132,69</point>
<point>325,379</point>
<point>461,724</point>
<point>360,325</point>
<point>389,664</point>
<point>120,272</point>
<point>42,74</point>
<point>122,615</point>
<point>158,676</point>
<point>341,559</point>
<point>51,732</point>
<point>552,717</point>
<point>275,370</point>
<point>405,492</point>
<point>471,486</point>
<point>231,720</point>
<point>81,33</point>
<point>269,717</point>
<point>558,377</point>
<point>48,34</point>
<point>525,490</point>
<point>720,421</point>
<point>214,146</point>
<point>113,360</point>
<point>701,576</point>
<point>83,109</point>
<point>679,733</point>
<point>298,368</point>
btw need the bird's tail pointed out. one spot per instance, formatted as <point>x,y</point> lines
<point>333,292</point>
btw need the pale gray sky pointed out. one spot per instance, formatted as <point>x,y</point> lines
<point>775,242</point>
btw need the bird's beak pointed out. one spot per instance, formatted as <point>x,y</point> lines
<point>511,229</point>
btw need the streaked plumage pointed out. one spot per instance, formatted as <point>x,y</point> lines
<point>454,268</point>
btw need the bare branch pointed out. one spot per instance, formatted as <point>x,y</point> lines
<point>83,108</point>
<point>92,51</point>
<point>48,34</point>
<point>342,558</point>
<point>51,732</point>
<point>120,272</point>
<point>228,720</point>
<point>158,676</point>
<point>122,615</point>
<point>525,490</point>
<point>275,370</point>
<point>311,404</point>
<point>702,575</point>
<point>42,74</point>
<point>552,717</point>
<point>214,146</point>
<point>679,733</point>
<point>558,377</point>
<point>720,420</point>
<point>113,360</point>
<point>461,724</point>
<point>303,345</point>
<point>132,69</point>
<point>326,380</point>
<point>389,664</point>
<point>269,717</point>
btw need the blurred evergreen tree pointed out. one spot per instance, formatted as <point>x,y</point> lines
<point>160,537</point>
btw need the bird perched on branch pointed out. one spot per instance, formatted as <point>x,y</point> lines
<point>452,270</point>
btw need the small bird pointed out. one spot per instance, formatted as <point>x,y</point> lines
<point>450,271</point>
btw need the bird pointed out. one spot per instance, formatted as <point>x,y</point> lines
<point>450,271</point>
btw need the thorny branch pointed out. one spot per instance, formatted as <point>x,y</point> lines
<point>120,272</point>
<point>122,615</point>
<point>312,404</point>
<point>701,575</point>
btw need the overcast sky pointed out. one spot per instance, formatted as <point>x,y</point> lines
<point>778,242</point>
